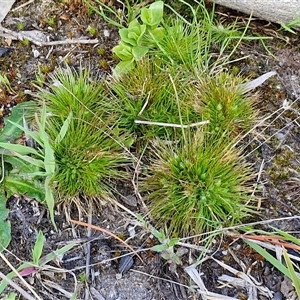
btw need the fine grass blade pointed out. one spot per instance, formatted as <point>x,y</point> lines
<point>64,129</point>
<point>270,258</point>
<point>293,275</point>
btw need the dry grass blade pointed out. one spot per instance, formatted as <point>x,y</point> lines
<point>57,287</point>
<point>17,287</point>
<point>109,233</point>
<point>245,277</point>
<point>206,295</point>
<point>271,239</point>
<point>20,277</point>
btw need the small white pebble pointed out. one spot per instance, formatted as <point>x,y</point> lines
<point>118,276</point>
<point>131,231</point>
<point>106,33</point>
<point>36,53</point>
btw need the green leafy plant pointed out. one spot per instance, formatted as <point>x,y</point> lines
<point>166,247</point>
<point>134,46</point>
<point>38,262</point>
<point>42,161</point>
<point>14,178</point>
<point>198,185</point>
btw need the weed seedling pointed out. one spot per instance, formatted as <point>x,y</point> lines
<point>20,26</point>
<point>92,30</point>
<point>38,262</point>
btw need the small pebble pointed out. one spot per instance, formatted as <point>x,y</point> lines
<point>278,296</point>
<point>130,200</point>
<point>126,263</point>
<point>4,51</point>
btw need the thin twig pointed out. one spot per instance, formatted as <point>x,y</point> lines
<point>20,36</point>
<point>171,125</point>
<point>109,233</point>
<point>70,41</point>
<point>20,277</point>
<point>22,5</point>
<point>16,287</point>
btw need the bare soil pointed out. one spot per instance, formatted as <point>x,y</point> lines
<point>275,155</point>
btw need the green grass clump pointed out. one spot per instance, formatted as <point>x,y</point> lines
<point>197,186</point>
<point>91,154</point>
<point>222,101</point>
<point>154,93</point>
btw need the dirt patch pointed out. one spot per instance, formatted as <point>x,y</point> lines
<point>274,151</point>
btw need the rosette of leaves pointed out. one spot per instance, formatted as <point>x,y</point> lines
<point>139,38</point>
<point>197,186</point>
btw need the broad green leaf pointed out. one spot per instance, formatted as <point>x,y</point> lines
<point>50,200</point>
<point>10,296</point>
<point>15,184</point>
<point>123,51</point>
<point>10,133</point>
<point>159,248</point>
<point>139,52</point>
<point>64,128</point>
<point>153,15</point>
<point>51,256</point>
<point>28,132</point>
<point>125,66</point>
<point>5,229</point>
<point>136,32</point>
<point>173,242</point>
<point>159,33</point>
<point>124,34</point>
<point>49,161</point>
<point>24,150</point>
<point>159,235</point>
<point>33,161</point>
<point>20,164</point>
<point>38,248</point>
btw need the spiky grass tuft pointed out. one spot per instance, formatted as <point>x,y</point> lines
<point>221,100</point>
<point>153,92</point>
<point>199,186</point>
<point>92,154</point>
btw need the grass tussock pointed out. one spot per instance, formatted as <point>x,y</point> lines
<point>199,186</point>
<point>222,101</point>
<point>92,154</point>
<point>154,93</point>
